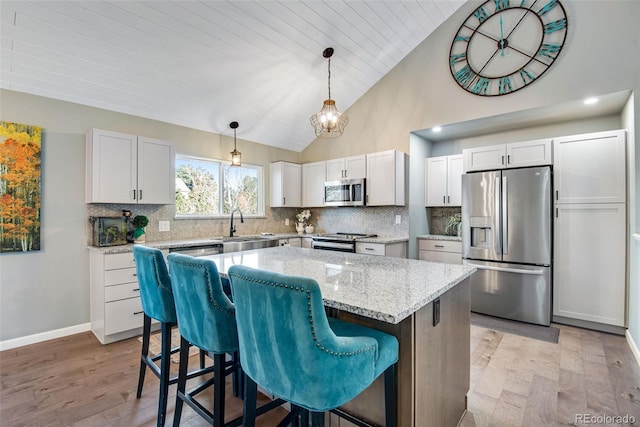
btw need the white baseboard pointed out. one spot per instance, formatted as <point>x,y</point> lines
<point>44,336</point>
<point>634,347</point>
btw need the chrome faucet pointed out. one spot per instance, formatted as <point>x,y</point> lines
<point>232,228</point>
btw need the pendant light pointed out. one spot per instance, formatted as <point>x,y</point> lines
<point>329,122</point>
<point>236,156</point>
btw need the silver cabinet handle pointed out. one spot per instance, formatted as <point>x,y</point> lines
<point>133,196</point>
<point>284,200</point>
<point>136,290</point>
<point>502,160</point>
<point>439,246</point>
<point>368,249</point>
<point>135,313</point>
<point>444,198</point>
<point>139,194</point>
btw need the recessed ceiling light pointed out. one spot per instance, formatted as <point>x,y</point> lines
<point>590,101</point>
<point>437,129</point>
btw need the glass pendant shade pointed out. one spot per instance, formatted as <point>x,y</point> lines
<point>329,122</point>
<point>236,156</point>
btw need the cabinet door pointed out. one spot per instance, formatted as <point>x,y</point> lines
<point>286,184</point>
<point>454,180</point>
<point>385,178</point>
<point>313,178</point>
<point>335,169</point>
<point>484,158</point>
<point>111,167</point>
<point>529,153</point>
<point>156,176</point>
<point>436,181</point>
<point>589,267</point>
<point>590,168</point>
<point>355,167</point>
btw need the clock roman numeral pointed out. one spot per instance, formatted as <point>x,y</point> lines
<point>526,75</point>
<point>455,58</point>
<point>481,86</point>
<point>501,4</point>
<point>551,27</point>
<point>460,38</point>
<point>481,14</point>
<point>549,50</point>
<point>504,85</point>
<point>464,76</point>
<point>547,7</point>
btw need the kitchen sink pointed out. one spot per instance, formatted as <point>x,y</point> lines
<point>245,243</point>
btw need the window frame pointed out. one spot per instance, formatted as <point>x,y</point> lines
<point>222,164</point>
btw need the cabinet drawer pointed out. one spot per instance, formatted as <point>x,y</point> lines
<point>122,315</point>
<point>370,248</point>
<point>123,260</point>
<point>437,256</point>
<point>118,277</point>
<point>439,245</point>
<point>118,292</point>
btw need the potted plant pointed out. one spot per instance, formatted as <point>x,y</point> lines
<point>139,223</point>
<point>453,224</point>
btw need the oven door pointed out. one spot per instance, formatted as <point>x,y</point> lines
<point>333,245</point>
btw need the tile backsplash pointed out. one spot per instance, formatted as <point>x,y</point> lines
<point>376,220</point>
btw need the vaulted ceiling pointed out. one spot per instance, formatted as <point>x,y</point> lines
<point>203,64</point>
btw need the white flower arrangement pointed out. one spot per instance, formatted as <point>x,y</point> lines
<point>303,216</point>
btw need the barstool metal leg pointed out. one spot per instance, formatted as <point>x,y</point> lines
<point>146,332</point>
<point>218,389</point>
<point>249,403</point>
<point>317,419</point>
<point>182,380</point>
<point>165,366</point>
<point>391,396</point>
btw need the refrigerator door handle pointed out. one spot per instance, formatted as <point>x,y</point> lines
<point>506,270</point>
<point>497,230</point>
<point>505,217</point>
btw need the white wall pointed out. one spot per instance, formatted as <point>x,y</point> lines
<point>600,57</point>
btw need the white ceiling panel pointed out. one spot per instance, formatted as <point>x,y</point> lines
<point>203,64</point>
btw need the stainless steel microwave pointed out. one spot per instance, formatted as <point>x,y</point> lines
<point>345,192</point>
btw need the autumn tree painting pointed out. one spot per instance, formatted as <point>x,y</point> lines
<point>20,198</point>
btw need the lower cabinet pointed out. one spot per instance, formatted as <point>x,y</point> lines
<point>447,251</point>
<point>116,310</point>
<point>293,241</point>
<point>306,242</point>
<point>396,250</point>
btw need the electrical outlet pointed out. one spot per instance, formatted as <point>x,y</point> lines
<point>164,226</point>
<point>286,221</point>
<point>398,219</point>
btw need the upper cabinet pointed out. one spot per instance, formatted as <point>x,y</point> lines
<point>590,168</point>
<point>122,168</point>
<point>346,168</point>
<point>286,185</point>
<point>385,184</point>
<point>443,180</point>
<point>515,155</point>
<point>313,178</point>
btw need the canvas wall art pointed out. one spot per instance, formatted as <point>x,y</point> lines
<point>20,187</point>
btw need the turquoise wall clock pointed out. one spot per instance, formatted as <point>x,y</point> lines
<point>505,45</point>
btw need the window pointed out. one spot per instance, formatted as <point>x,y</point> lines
<point>210,188</point>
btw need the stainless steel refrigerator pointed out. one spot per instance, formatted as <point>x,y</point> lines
<point>506,223</point>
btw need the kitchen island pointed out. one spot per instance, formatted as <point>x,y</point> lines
<point>425,305</point>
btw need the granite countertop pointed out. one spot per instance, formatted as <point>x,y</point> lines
<point>382,288</point>
<point>439,237</point>
<point>166,244</point>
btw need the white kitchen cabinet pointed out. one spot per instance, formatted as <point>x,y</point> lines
<point>589,265</point>
<point>314,176</point>
<point>590,168</point>
<point>286,185</point>
<point>305,242</point>
<point>395,250</point>
<point>443,180</point>
<point>385,185</point>
<point>122,168</point>
<point>435,250</point>
<point>347,168</point>
<point>116,309</point>
<point>291,241</point>
<point>518,154</point>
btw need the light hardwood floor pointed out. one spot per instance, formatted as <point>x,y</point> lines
<point>515,381</point>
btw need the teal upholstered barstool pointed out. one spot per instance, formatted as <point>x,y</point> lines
<point>206,319</point>
<point>157,303</point>
<point>290,348</point>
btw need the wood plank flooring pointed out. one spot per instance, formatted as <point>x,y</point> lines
<point>515,381</point>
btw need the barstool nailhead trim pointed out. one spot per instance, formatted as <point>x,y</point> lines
<point>208,280</point>
<point>312,327</point>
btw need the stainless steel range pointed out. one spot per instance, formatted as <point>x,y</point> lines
<point>343,242</point>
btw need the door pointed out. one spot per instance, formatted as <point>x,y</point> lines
<point>526,215</point>
<point>313,179</point>
<point>511,291</point>
<point>156,176</point>
<point>480,215</point>
<point>436,181</point>
<point>454,180</point>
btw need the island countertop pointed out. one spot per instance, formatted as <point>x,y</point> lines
<point>382,288</point>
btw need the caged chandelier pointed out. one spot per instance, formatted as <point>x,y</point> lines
<point>329,122</point>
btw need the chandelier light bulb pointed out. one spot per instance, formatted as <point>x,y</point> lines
<point>329,122</point>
